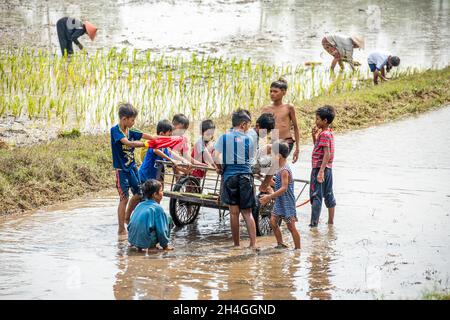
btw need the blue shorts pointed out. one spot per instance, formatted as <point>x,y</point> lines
<point>126,180</point>
<point>372,67</point>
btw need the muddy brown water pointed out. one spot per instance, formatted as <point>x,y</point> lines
<point>285,31</point>
<point>280,32</point>
<point>390,240</point>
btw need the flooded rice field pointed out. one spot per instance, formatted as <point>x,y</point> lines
<point>285,31</point>
<point>390,239</point>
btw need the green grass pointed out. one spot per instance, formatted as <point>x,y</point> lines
<point>39,175</point>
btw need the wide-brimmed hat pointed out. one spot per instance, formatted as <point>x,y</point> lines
<point>91,30</point>
<point>359,41</point>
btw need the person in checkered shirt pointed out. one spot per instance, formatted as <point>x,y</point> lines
<point>321,184</point>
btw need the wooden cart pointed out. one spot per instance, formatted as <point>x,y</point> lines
<point>188,194</point>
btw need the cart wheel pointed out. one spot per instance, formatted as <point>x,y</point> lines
<point>183,212</point>
<point>262,214</point>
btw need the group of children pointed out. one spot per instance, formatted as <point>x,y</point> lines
<point>238,155</point>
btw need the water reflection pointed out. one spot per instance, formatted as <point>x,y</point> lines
<point>320,285</point>
<point>280,32</point>
<point>390,239</point>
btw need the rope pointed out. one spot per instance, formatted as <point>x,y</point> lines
<point>302,204</point>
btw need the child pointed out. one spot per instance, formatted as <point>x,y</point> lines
<point>284,207</point>
<point>204,148</point>
<point>149,223</point>
<point>123,141</point>
<point>377,61</point>
<point>321,184</point>
<point>180,124</point>
<point>149,168</point>
<point>264,125</point>
<point>285,117</point>
<point>181,152</point>
<point>233,153</point>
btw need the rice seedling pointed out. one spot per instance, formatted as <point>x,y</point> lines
<point>85,90</point>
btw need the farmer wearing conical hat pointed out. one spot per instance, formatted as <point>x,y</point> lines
<point>70,29</point>
<point>341,48</point>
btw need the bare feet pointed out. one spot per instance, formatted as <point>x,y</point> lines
<point>281,246</point>
<point>256,249</point>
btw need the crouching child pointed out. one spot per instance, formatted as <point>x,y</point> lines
<point>149,224</point>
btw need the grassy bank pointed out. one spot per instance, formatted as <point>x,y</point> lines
<point>34,176</point>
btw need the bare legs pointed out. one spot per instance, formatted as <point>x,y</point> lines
<point>249,221</point>
<point>124,212</point>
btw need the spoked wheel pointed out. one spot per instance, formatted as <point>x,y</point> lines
<point>184,212</point>
<point>262,214</point>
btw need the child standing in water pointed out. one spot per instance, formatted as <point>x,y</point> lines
<point>285,118</point>
<point>284,207</point>
<point>321,185</point>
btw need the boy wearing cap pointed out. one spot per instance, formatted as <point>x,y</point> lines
<point>70,29</point>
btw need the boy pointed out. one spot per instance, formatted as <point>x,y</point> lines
<point>123,141</point>
<point>204,148</point>
<point>284,196</point>
<point>233,153</point>
<point>321,185</point>
<point>377,61</point>
<point>181,151</point>
<point>149,168</point>
<point>149,223</point>
<point>285,118</point>
<point>264,125</point>
<point>180,124</point>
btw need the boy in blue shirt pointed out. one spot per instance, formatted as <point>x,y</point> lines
<point>123,141</point>
<point>233,153</point>
<point>149,223</point>
<point>149,168</point>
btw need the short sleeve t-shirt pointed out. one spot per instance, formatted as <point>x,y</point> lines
<point>123,156</point>
<point>237,151</point>
<point>378,59</point>
<point>325,139</point>
<point>148,169</point>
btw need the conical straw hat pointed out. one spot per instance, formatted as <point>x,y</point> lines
<point>359,41</point>
<point>91,30</point>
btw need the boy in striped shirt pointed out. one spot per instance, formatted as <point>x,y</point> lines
<point>321,185</point>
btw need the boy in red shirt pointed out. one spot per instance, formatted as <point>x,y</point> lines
<point>321,185</point>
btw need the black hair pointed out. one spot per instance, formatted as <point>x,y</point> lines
<point>164,126</point>
<point>266,121</point>
<point>180,119</point>
<point>282,148</point>
<point>126,110</point>
<point>395,61</point>
<point>280,84</point>
<point>150,187</point>
<point>240,116</point>
<point>326,113</point>
<point>207,124</point>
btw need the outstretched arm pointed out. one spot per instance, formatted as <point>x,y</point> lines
<point>133,144</point>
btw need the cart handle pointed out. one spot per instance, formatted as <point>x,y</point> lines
<point>193,166</point>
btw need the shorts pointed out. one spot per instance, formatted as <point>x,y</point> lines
<point>126,180</point>
<point>239,191</point>
<point>372,67</point>
<point>286,219</point>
